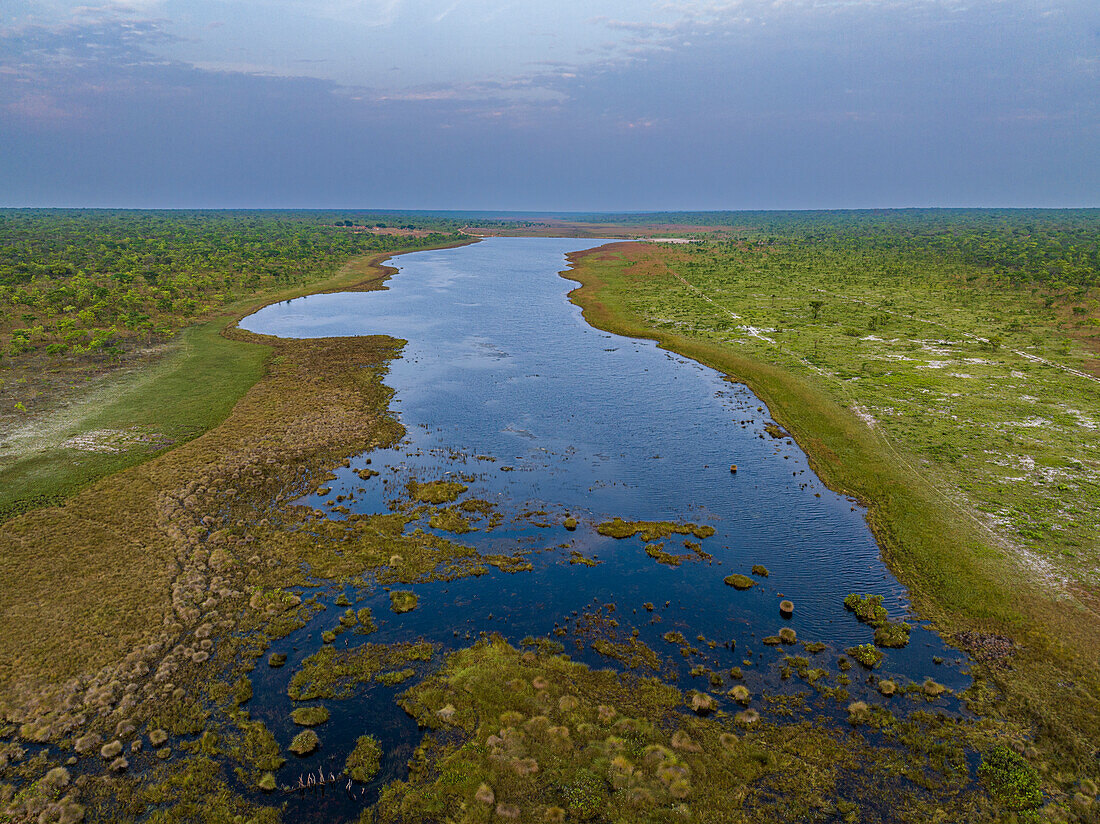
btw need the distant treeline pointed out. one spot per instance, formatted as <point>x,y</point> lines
<point>1058,248</point>
<point>78,281</point>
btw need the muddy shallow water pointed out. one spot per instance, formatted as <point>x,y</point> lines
<point>504,383</point>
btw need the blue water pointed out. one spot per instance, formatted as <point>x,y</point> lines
<point>499,363</point>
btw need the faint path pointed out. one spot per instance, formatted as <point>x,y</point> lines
<point>752,331</point>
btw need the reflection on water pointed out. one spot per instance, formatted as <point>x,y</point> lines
<point>500,365</point>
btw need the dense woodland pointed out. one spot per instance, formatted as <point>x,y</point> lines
<point>1059,248</point>
<point>88,282</point>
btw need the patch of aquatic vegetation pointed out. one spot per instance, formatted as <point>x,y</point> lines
<point>368,548</point>
<point>536,737</point>
<point>892,634</point>
<point>869,610</point>
<point>658,554</point>
<point>403,601</point>
<point>450,520</point>
<point>332,673</point>
<point>436,492</point>
<point>477,505</point>
<point>304,743</point>
<point>632,653</point>
<point>256,750</point>
<point>387,547</point>
<point>775,430</point>
<point>576,557</point>
<point>739,581</point>
<point>650,531</point>
<point>655,533</point>
<point>309,716</point>
<point>868,655</point>
<point>364,761</point>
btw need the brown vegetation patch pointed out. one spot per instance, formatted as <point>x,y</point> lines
<point>986,646</point>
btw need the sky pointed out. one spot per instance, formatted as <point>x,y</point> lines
<point>551,105</point>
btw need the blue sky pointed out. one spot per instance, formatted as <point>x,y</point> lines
<point>550,104</point>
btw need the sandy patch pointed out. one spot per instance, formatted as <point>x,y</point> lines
<point>114,440</point>
<point>864,415</point>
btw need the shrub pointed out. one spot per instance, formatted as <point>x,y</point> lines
<point>866,654</point>
<point>305,742</point>
<point>868,608</point>
<point>1011,780</point>
<point>892,634</point>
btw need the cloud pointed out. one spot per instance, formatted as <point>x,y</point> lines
<point>40,109</point>
<point>443,15</point>
<point>773,104</point>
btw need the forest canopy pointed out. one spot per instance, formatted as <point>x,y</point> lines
<point>90,281</point>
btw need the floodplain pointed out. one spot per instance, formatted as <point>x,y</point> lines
<point>428,569</point>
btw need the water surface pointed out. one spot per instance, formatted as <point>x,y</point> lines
<point>499,364</point>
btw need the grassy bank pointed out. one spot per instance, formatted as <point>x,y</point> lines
<point>126,418</point>
<point>960,575</point>
<point>139,563</point>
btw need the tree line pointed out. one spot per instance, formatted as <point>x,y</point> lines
<point>90,281</point>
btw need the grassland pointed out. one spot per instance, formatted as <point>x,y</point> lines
<point>90,428</point>
<point>130,566</point>
<point>915,385</point>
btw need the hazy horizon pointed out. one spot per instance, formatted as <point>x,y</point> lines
<point>532,214</point>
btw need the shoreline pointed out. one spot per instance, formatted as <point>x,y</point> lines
<point>200,376</point>
<point>753,374</point>
<point>972,592</point>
